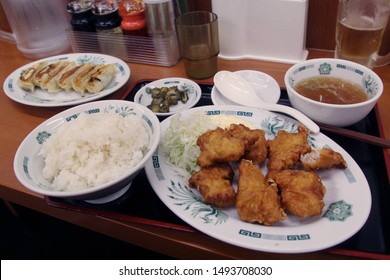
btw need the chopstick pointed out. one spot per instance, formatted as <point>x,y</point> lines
<point>374,140</point>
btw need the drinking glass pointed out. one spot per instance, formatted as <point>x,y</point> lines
<point>38,27</point>
<point>359,31</point>
<point>198,39</point>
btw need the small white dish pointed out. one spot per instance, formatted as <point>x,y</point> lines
<point>238,90</point>
<point>42,98</point>
<point>193,90</point>
<point>266,87</point>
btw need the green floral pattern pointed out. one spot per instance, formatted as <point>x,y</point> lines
<point>42,136</point>
<point>185,198</point>
<point>338,211</point>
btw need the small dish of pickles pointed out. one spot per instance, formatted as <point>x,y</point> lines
<point>168,96</point>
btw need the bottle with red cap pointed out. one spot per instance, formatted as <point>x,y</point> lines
<point>133,17</point>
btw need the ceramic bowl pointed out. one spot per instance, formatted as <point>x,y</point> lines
<point>333,114</point>
<point>28,163</point>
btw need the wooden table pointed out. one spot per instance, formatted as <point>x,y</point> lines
<point>17,120</point>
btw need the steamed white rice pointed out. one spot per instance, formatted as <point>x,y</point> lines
<point>93,150</point>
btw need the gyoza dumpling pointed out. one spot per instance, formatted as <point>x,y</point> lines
<point>25,81</point>
<point>65,81</point>
<point>49,71</point>
<point>51,84</point>
<point>79,82</point>
<point>101,78</point>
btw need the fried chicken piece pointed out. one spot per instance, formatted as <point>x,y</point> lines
<point>218,146</point>
<point>214,184</point>
<point>324,158</point>
<point>286,149</point>
<point>302,192</point>
<point>243,132</point>
<point>257,200</point>
<point>257,147</point>
<point>259,150</point>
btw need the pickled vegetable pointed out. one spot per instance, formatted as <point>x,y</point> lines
<point>164,97</point>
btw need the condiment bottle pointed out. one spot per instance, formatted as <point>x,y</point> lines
<point>133,17</point>
<point>108,28</point>
<point>107,16</point>
<point>160,17</point>
<point>82,17</point>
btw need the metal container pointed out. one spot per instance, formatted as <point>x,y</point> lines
<point>160,17</point>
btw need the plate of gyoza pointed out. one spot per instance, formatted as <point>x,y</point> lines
<point>67,79</point>
<point>258,180</point>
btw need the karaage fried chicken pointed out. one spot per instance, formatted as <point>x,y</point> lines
<point>257,200</point>
<point>324,158</point>
<point>286,149</point>
<point>257,147</point>
<point>219,146</point>
<point>214,184</point>
<point>302,192</point>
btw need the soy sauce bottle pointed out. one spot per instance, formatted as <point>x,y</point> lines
<point>107,16</point>
<point>82,18</point>
<point>108,28</point>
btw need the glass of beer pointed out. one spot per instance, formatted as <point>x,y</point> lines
<point>359,31</point>
<point>198,38</point>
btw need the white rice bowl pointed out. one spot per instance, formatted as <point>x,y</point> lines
<point>93,150</point>
<point>89,151</point>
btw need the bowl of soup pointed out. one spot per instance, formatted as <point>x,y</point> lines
<point>333,91</point>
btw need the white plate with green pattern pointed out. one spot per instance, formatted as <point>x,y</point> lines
<point>347,199</point>
<point>42,98</point>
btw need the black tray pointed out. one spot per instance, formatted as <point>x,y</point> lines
<point>372,241</point>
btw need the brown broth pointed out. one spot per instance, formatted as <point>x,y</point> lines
<point>331,90</point>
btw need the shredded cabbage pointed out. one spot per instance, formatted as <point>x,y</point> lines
<point>179,141</point>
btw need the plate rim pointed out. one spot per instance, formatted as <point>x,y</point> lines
<point>15,74</point>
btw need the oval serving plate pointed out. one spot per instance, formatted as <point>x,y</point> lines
<point>347,199</point>
<point>193,90</point>
<point>42,98</point>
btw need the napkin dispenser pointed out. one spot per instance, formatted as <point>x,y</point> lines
<point>271,30</point>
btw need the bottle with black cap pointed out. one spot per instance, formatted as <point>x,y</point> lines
<point>82,18</point>
<point>107,16</point>
<point>108,27</point>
